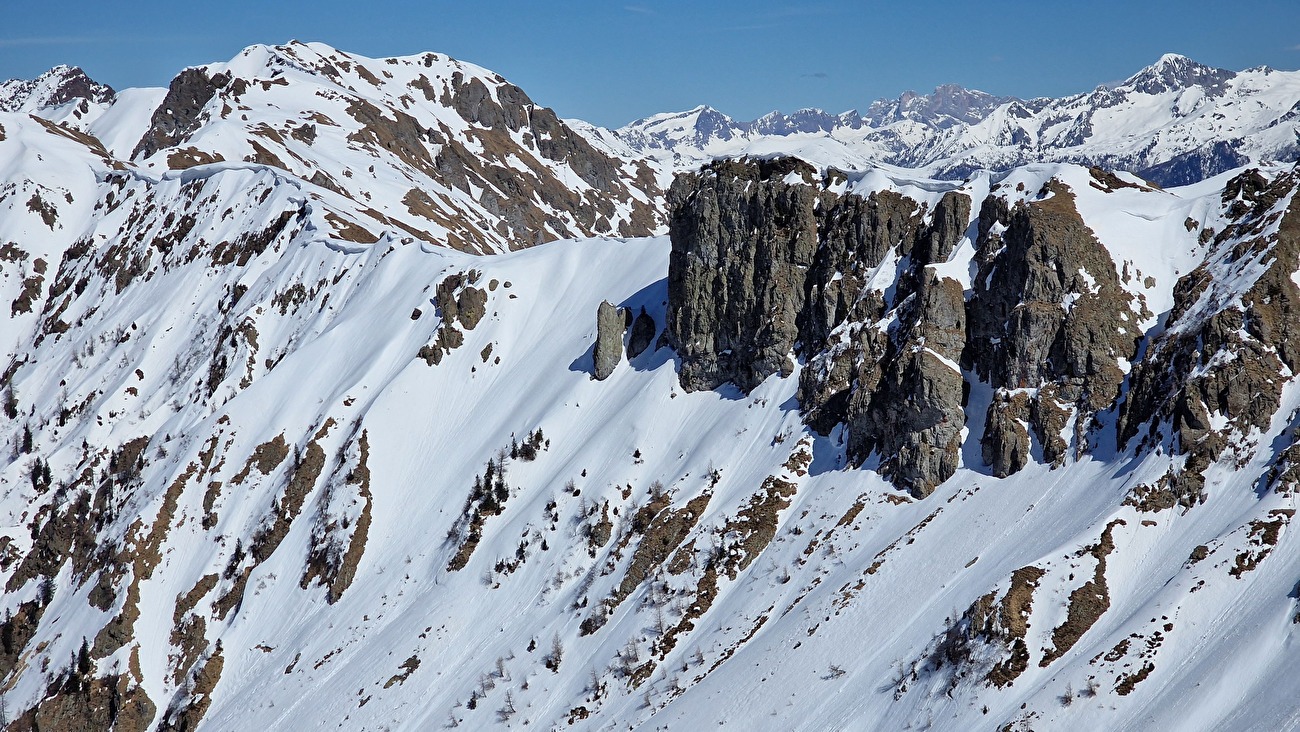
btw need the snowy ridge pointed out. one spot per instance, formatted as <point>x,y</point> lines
<point>435,148</point>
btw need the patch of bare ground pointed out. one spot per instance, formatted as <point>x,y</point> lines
<point>304,472</point>
<point>337,548</point>
<point>189,631</point>
<point>193,699</point>
<point>1261,538</point>
<point>408,667</point>
<point>189,157</point>
<point>1000,624</point>
<point>1087,603</point>
<point>75,703</point>
<point>346,230</point>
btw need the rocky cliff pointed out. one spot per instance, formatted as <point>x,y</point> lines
<point>770,265</point>
<point>1049,325</point>
<point>774,262</point>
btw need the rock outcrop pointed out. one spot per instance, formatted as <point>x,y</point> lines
<point>79,702</point>
<point>608,351</point>
<point>768,265</point>
<point>181,111</point>
<point>743,240</point>
<point>1047,315</point>
<point>913,416</point>
<point>1217,371</point>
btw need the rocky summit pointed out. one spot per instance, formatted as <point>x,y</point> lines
<point>368,394</point>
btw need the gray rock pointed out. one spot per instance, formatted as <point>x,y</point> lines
<point>471,305</point>
<point>937,242</point>
<point>914,416</point>
<point>766,262</point>
<point>1005,444</point>
<point>608,352</point>
<point>1022,333</point>
<point>179,114</point>
<point>742,241</point>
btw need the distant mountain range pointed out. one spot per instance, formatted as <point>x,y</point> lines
<point>1174,122</point>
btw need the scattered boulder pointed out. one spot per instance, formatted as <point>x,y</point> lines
<point>608,352</point>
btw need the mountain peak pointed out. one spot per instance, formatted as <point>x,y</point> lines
<point>1173,72</point>
<point>806,120</point>
<point>947,105</point>
<point>59,85</point>
<point>1174,59</point>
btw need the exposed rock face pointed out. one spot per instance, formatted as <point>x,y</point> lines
<point>1048,315</point>
<point>743,240</point>
<point>610,323</point>
<point>1005,446</point>
<point>767,265</point>
<point>951,217</point>
<point>1234,328</point>
<point>108,703</point>
<point>914,414</point>
<point>181,110</point>
<point>949,105</point>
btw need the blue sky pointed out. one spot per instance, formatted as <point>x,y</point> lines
<point>611,62</point>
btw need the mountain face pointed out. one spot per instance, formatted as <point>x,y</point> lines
<point>827,450</point>
<point>1174,123</point>
<point>427,147</point>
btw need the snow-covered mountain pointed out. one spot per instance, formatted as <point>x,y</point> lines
<point>869,450</point>
<point>425,146</point>
<point>54,88</point>
<point>947,106</point>
<point>1174,122</point>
